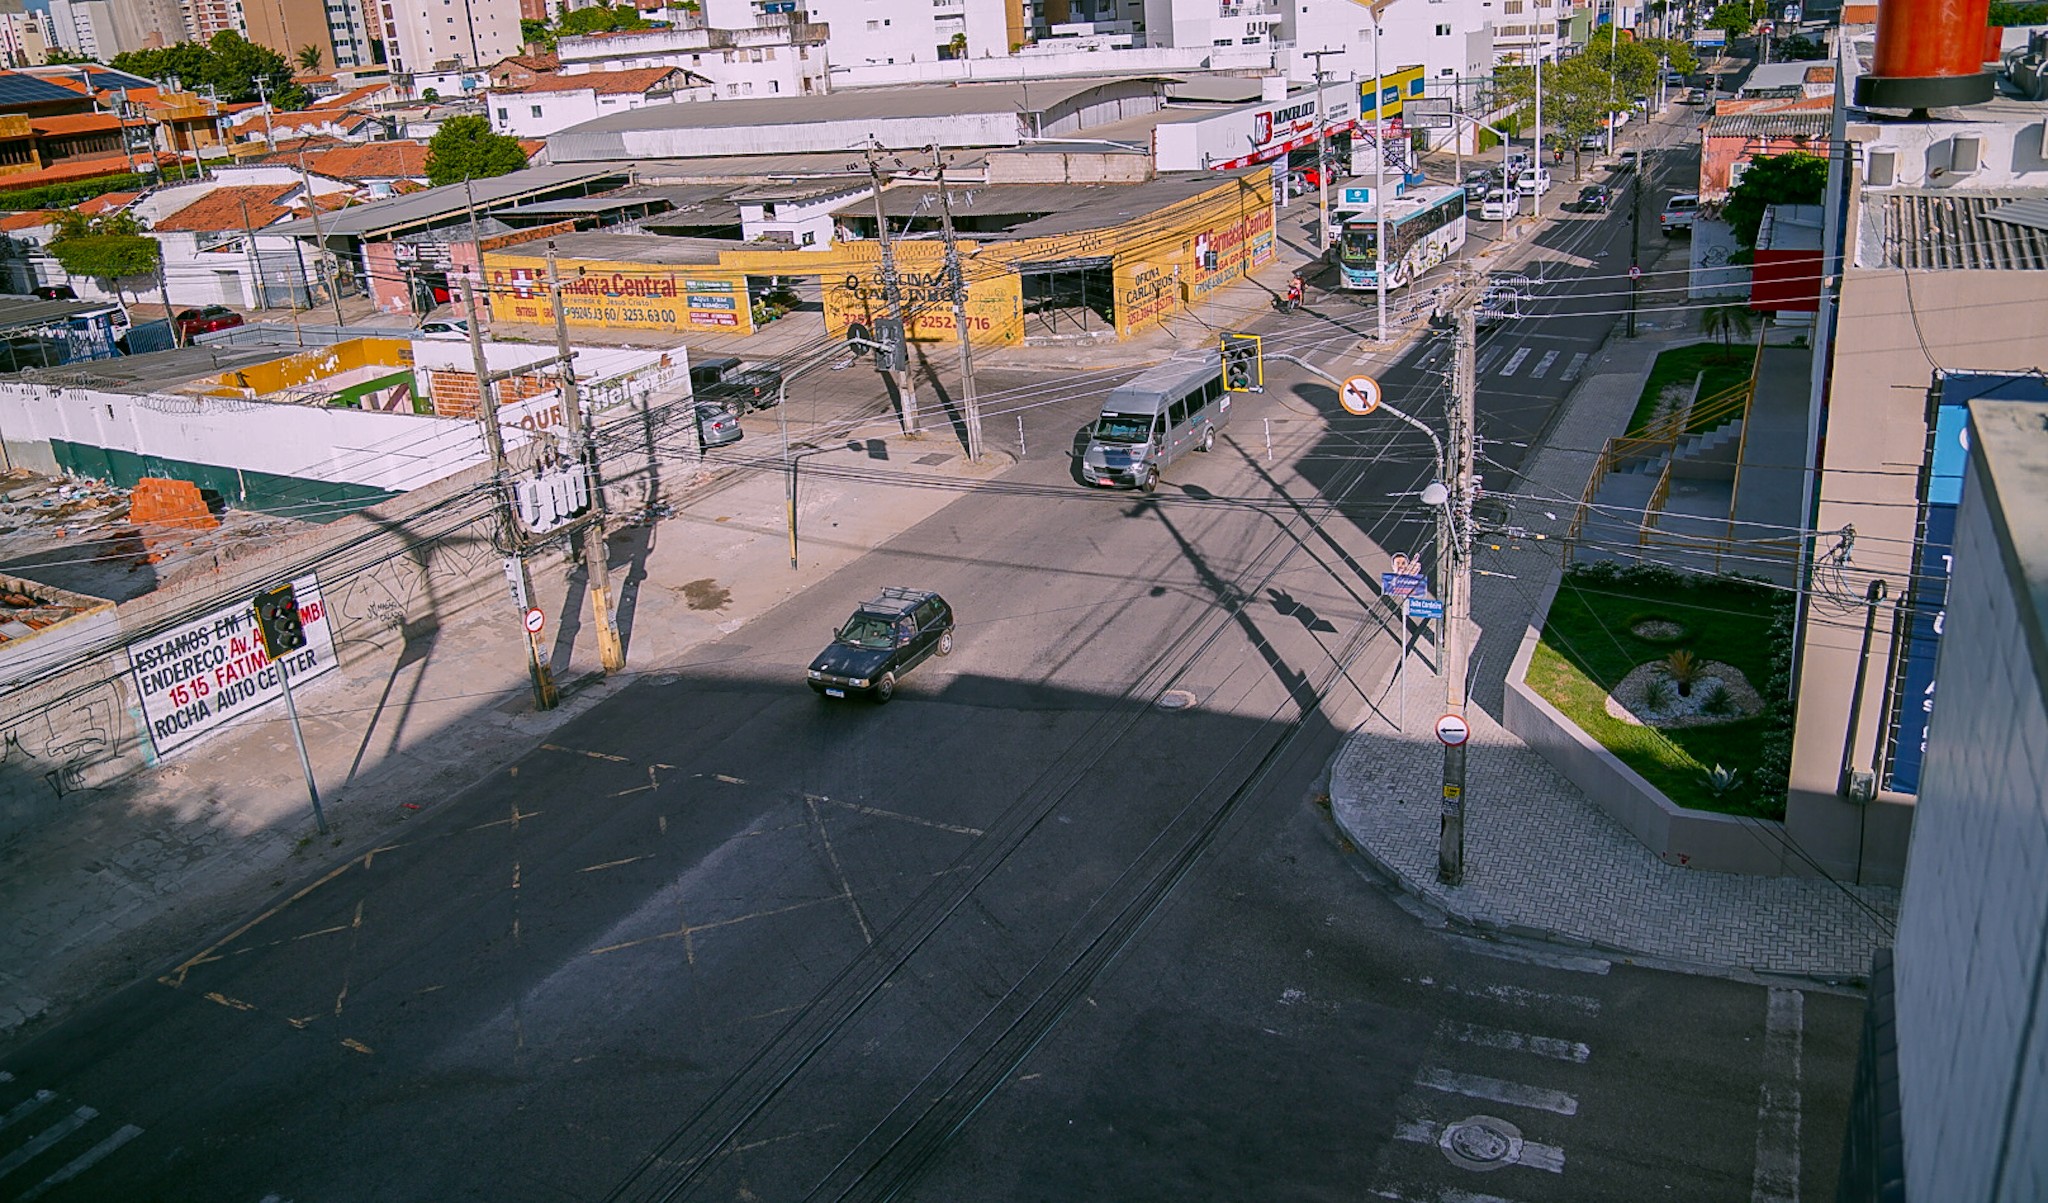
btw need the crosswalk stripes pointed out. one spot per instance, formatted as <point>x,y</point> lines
<point>1514,363</point>
<point>1573,368</point>
<point>1488,358</point>
<point>38,1136</point>
<point>1542,367</point>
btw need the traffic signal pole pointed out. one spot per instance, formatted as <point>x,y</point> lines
<point>281,633</point>
<point>291,709</point>
<point>1454,549</point>
<point>892,300</point>
<point>545,695</point>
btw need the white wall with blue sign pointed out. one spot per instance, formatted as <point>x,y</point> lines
<point>1948,463</point>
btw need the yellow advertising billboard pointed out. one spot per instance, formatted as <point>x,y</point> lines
<point>640,296</point>
<point>1206,243</point>
<point>995,295</point>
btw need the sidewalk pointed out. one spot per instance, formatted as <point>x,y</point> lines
<point>1541,859</point>
<point>415,713</point>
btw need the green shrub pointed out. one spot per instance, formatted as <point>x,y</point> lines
<point>1717,703</point>
<point>63,196</point>
<point>1659,693</point>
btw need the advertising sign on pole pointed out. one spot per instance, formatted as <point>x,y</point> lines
<point>194,679</point>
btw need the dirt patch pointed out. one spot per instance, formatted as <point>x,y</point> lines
<point>1629,700</point>
<point>1658,630</point>
<point>706,594</point>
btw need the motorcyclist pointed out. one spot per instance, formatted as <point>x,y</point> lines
<point>1294,289</point>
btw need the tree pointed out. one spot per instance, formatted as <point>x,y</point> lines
<point>309,58</point>
<point>1799,48</point>
<point>466,149</point>
<point>536,33</point>
<point>231,64</point>
<point>598,18</point>
<point>1677,55</point>
<point>109,249</point>
<point>1733,18</point>
<point>957,46</point>
<point>1727,322</point>
<point>1794,178</point>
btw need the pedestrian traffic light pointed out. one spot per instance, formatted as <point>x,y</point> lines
<point>277,620</point>
<point>1243,370</point>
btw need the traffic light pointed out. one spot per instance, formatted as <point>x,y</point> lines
<point>277,620</point>
<point>892,355</point>
<point>1243,370</point>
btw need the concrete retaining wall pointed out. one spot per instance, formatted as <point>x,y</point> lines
<point>1693,839</point>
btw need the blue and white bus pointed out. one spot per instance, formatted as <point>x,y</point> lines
<point>1424,227</point>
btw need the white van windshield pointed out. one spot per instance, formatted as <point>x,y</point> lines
<point>1124,428</point>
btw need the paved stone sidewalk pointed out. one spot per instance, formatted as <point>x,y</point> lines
<point>1540,858</point>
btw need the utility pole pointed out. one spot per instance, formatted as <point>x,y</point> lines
<point>327,271</point>
<point>611,652</point>
<point>1536,193</point>
<point>545,695</point>
<point>1635,236</point>
<point>1379,179</point>
<point>255,264</point>
<point>892,300</point>
<point>1454,560</point>
<point>1322,160</point>
<point>959,282</point>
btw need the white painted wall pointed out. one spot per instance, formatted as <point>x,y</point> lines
<point>1233,133</point>
<point>762,63</point>
<point>877,33</point>
<point>1973,918</point>
<point>538,114</point>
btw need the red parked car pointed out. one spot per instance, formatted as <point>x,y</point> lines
<point>206,321</point>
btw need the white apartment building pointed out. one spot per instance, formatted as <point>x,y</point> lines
<point>429,35</point>
<point>780,59</point>
<point>556,102</point>
<point>83,27</point>
<point>23,42</point>
<point>881,32</point>
<point>208,17</point>
<point>1217,23</point>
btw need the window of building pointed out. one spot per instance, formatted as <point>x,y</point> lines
<point>769,54</point>
<point>503,115</point>
<point>874,25</point>
<point>1443,31</point>
<point>775,85</point>
<point>1511,7</point>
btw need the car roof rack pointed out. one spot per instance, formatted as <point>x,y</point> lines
<point>901,595</point>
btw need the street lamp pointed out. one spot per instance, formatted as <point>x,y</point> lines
<point>790,461</point>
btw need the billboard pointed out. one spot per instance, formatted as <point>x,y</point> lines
<point>196,678</point>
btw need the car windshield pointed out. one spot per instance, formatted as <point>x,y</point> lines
<point>868,631</point>
<point>1124,428</point>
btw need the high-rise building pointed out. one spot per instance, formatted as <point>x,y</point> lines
<point>208,17</point>
<point>866,33</point>
<point>340,30</point>
<point>428,35</point>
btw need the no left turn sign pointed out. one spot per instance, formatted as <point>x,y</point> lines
<point>535,620</point>
<point>1452,730</point>
<point>1360,395</point>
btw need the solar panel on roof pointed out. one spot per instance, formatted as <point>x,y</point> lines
<point>27,89</point>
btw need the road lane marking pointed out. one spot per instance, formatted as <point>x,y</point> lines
<point>867,935</point>
<point>613,864</point>
<point>592,755</point>
<point>518,816</point>
<point>83,1162</point>
<point>357,1045</point>
<point>1777,1110</point>
<point>233,1004</point>
<point>1515,1042</point>
<point>1531,956</point>
<point>1542,367</point>
<point>24,1107</point>
<point>1494,1090</point>
<point>44,1139</point>
<point>1488,358</point>
<point>176,977</point>
<point>879,813</point>
<point>1573,368</point>
<point>1514,363</point>
<point>1517,996</point>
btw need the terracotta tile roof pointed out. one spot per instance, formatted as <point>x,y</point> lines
<point>371,161</point>
<point>533,146</point>
<point>1824,74</point>
<point>221,209</point>
<point>84,167</point>
<point>109,202</point>
<point>328,202</point>
<point>75,123</point>
<point>29,220</point>
<point>309,118</point>
<point>345,99</point>
<point>632,82</point>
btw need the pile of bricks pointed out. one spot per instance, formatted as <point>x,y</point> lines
<point>173,503</point>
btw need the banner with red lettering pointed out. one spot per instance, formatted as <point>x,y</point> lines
<point>196,678</point>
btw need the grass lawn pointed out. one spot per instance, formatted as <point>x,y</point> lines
<point>1587,648</point>
<point>1680,364</point>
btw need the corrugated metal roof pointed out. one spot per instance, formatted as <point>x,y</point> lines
<point>2028,211</point>
<point>436,204</point>
<point>1956,230</point>
<point>1769,125</point>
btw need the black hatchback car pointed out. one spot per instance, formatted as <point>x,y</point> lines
<point>884,639</point>
<point>747,389</point>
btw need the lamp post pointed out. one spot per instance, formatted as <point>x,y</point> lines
<point>791,460</point>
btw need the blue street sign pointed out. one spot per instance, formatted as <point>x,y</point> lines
<point>1402,584</point>
<point>1422,607</point>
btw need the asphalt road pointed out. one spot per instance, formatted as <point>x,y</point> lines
<point>1021,934</point>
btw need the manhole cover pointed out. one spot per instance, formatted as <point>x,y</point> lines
<point>1176,699</point>
<point>1482,1143</point>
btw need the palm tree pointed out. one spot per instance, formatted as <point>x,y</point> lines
<point>1727,323</point>
<point>309,57</point>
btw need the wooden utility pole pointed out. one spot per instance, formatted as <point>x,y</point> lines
<point>611,652</point>
<point>1322,158</point>
<point>545,695</point>
<point>892,301</point>
<point>958,280</point>
<point>1454,559</point>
